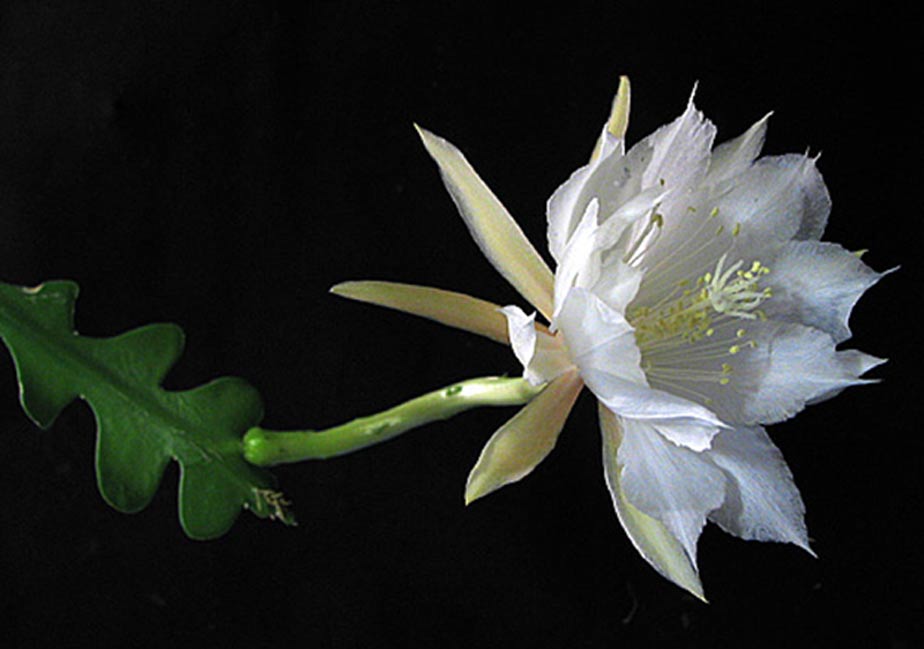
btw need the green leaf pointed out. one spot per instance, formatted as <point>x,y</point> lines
<point>140,426</point>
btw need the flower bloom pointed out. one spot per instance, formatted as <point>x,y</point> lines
<point>693,297</point>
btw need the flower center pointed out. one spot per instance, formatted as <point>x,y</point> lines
<point>689,336</point>
<point>689,313</point>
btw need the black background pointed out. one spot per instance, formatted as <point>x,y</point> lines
<point>222,164</point>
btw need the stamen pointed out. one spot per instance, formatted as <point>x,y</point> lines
<point>725,291</point>
<point>737,296</point>
<point>690,328</point>
<point>694,243</point>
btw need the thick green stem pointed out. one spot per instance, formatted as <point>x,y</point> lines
<point>267,448</point>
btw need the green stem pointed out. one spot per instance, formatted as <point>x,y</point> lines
<point>267,448</point>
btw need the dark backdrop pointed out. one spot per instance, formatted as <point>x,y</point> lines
<point>222,164</point>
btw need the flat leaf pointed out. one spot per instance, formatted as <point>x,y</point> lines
<point>140,425</point>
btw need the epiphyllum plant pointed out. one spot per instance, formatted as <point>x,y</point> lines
<point>692,297</point>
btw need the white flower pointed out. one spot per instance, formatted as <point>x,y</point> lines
<point>693,297</point>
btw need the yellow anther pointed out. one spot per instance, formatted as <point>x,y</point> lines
<point>692,315</point>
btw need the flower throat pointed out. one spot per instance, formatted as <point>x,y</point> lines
<point>691,312</point>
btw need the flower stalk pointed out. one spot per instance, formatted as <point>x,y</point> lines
<point>263,447</point>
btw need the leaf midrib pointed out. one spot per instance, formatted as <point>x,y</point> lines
<point>67,351</point>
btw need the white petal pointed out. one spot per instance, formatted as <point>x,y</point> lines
<point>599,337</point>
<point>580,262</point>
<point>494,230</point>
<point>562,210</point>
<point>674,485</point>
<point>817,284</point>
<point>850,363</point>
<point>569,201</point>
<point>674,156</point>
<point>446,307</point>
<point>694,433</point>
<point>616,180</point>
<point>792,366</point>
<point>623,225</point>
<point>749,217</point>
<point>618,284</point>
<point>649,536</point>
<point>543,356</point>
<point>679,150</point>
<point>734,157</point>
<point>523,442</point>
<point>581,259</point>
<point>762,502</point>
<point>679,420</point>
<point>665,164</point>
<point>675,160</point>
<point>778,198</point>
<point>522,331</point>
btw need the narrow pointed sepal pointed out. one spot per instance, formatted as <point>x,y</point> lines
<point>446,307</point>
<point>649,536</point>
<point>494,230</point>
<point>523,442</point>
<point>618,122</point>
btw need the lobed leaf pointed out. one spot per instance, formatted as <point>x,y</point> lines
<point>140,425</point>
